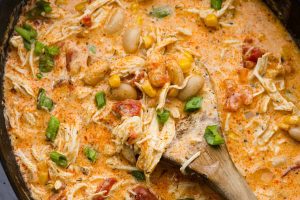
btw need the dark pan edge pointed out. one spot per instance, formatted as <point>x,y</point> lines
<point>288,12</point>
<point>7,157</point>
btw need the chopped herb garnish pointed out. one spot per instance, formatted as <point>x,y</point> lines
<point>39,48</point>
<point>46,53</point>
<point>44,102</point>
<point>212,135</point>
<point>216,4</point>
<point>100,99</point>
<point>27,45</point>
<point>39,75</point>
<point>90,153</point>
<point>52,50</point>
<point>193,104</point>
<point>59,159</point>
<point>138,175</point>
<point>92,49</point>
<point>41,8</point>
<point>46,63</point>
<point>163,116</point>
<point>28,33</point>
<point>160,12</point>
<point>52,129</point>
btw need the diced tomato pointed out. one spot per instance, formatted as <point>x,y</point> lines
<point>233,102</point>
<point>250,54</point>
<point>249,64</point>
<point>255,54</point>
<point>87,21</point>
<point>246,95</point>
<point>236,96</point>
<point>243,75</point>
<point>248,40</point>
<point>230,86</point>
<point>142,193</point>
<point>106,186</point>
<point>128,108</point>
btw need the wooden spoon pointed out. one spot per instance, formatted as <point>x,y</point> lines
<point>214,164</point>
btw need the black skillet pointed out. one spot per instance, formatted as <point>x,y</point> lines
<point>288,11</point>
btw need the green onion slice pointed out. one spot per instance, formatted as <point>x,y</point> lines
<point>52,50</point>
<point>39,48</point>
<point>41,7</point>
<point>44,102</point>
<point>52,129</point>
<point>193,104</point>
<point>163,116</point>
<point>25,34</point>
<point>46,63</point>
<point>100,99</point>
<point>138,175</point>
<point>92,49</point>
<point>212,135</point>
<point>60,159</point>
<point>28,33</point>
<point>90,153</point>
<point>216,4</point>
<point>161,12</point>
<point>39,75</point>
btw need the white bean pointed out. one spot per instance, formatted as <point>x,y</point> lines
<point>176,77</point>
<point>124,91</point>
<point>295,133</point>
<point>115,22</point>
<point>175,74</point>
<point>131,39</point>
<point>194,85</point>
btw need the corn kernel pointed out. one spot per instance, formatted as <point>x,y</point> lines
<point>189,56</point>
<point>261,37</point>
<point>114,81</point>
<point>211,20</point>
<point>148,41</point>
<point>43,173</point>
<point>134,7</point>
<point>233,136</point>
<point>148,89</point>
<point>284,126</point>
<point>185,64</point>
<point>61,2</point>
<point>80,7</point>
<point>139,20</point>
<point>292,120</point>
<point>43,177</point>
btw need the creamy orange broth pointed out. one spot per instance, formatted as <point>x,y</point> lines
<point>219,49</point>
